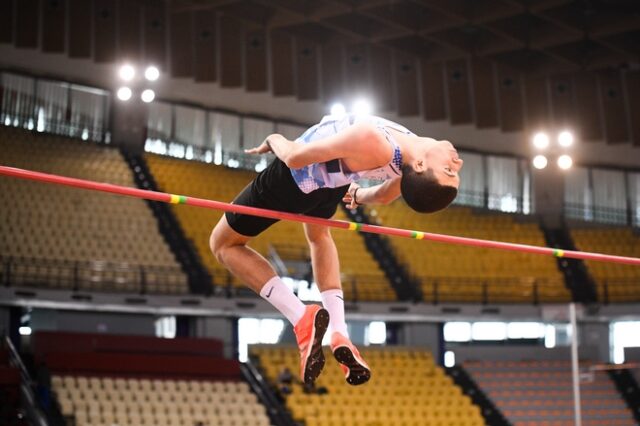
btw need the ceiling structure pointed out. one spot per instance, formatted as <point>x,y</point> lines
<point>514,65</point>
<point>545,36</point>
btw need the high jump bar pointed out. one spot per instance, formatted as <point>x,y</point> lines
<point>272,214</point>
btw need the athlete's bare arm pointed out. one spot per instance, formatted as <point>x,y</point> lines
<point>361,147</point>
<point>384,193</point>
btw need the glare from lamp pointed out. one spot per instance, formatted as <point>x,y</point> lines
<point>338,109</point>
<point>541,140</point>
<point>148,96</point>
<point>152,73</point>
<point>127,72</point>
<point>539,162</point>
<point>124,94</point>
<point>565,138</point>
<point>565,162</point>
<point>362,107</point>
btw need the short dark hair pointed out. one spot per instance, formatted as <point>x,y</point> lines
<point>422,191</point>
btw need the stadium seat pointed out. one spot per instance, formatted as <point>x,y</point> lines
<point>406,388</point>
<point>137,401</point>
<point>540,393</point>
<point>453,273</point>
<point>615,282</point>
<point>62,237</point>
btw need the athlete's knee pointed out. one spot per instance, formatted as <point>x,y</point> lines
<point>318,235</point>
<point>219,246</point>
<point>222,240</point>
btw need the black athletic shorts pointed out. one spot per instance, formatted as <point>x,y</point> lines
<point>275,189</point>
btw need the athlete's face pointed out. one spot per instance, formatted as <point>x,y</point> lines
<point>443,159</point>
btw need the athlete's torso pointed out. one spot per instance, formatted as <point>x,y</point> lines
<point>334,174</point>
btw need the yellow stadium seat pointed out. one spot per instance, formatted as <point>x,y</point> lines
<point>406,388</point>
<point>615,282</point>
<point>84,228</point>
<point>450,273</point>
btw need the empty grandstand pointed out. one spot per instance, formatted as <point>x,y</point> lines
<point>65,238</point>
<point>615,283</point>
<point>539,392</point>
<point>408,389</point>
<point>453,274</point>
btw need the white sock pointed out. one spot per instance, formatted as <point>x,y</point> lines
<point>276,292</point>
<point>333,301</point>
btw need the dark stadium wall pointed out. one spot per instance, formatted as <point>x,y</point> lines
<point>423,335</point>
<point>521,353</point>
<point>548,195</point>
<point>632,354</point>
<point>596,335</point>
<point>4,320</point>
<point>128,125</point>
<point>304,112</point>
<point>92,322</point>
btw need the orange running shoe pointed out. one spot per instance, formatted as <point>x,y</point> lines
<point>309,333</point>
<point>356,371</point>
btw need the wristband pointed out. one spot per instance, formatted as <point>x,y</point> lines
<point>355,200</point>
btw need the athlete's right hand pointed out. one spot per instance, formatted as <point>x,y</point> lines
<point>263,148</point>
<point>350,197</point>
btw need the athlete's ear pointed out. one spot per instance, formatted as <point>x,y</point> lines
<point>419,166</point>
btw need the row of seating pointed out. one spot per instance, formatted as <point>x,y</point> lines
<point>406,388</point>
<point>525,392</point>
<point>571,422</point>
<point>451,273</point>
<point>46,226</point>
<point>56,224</point>
<point>615,282</point>
<point>135,401</point>
<point>136,384</point>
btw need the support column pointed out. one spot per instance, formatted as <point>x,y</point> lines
<point>224,329</point>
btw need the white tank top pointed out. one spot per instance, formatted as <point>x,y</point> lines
<point>334,174</point>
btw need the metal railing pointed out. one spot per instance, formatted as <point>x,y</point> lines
<point>528,290</point>
<point>90,275</point>
<point>54,106</point>
<point>601,214</point>
<point>619,290</point>
<point>30,403</point>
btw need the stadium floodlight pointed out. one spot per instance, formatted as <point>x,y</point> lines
<point>124,93</point>
<point>127,72</point>
<point>148,96</point>
<point>541,140</point>
<point>539,162</point>
<point>565,162</point>
<point>151,73</point>
<point>361,107</point>
<point>565,138</point>
<point>338,109</point>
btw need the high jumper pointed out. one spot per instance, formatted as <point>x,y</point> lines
<point>312,175</point>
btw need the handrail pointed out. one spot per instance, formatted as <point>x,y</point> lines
<point>80,274</point>
<point>260,387</point>
<point>33,408</point>
<point>17,360</point>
